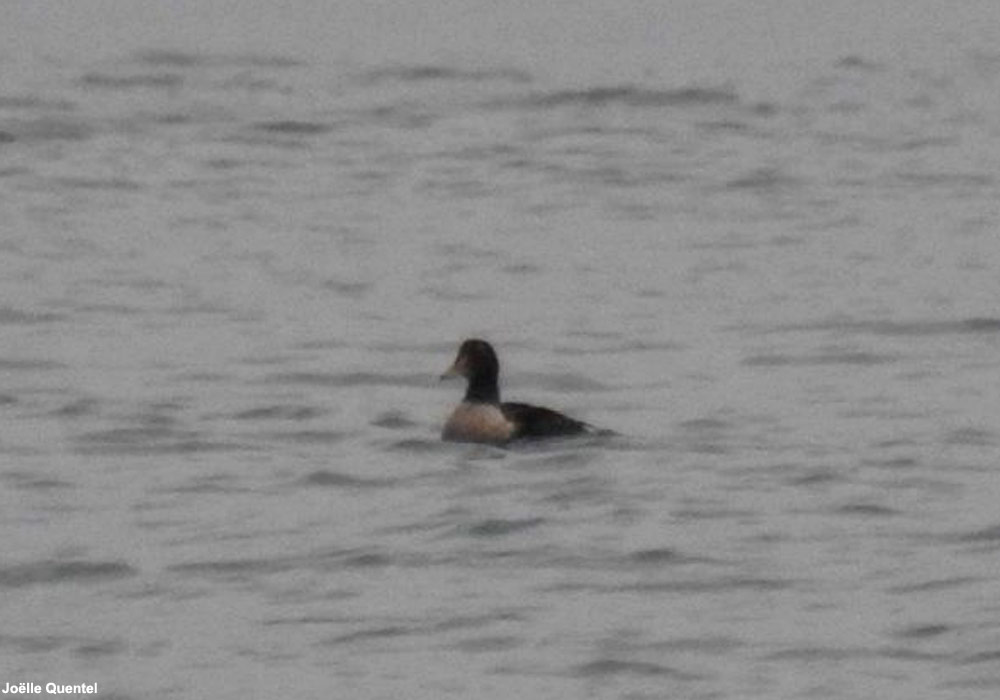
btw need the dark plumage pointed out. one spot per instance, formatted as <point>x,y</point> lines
<point>481,417</point>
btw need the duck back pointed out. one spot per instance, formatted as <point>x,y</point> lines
<point>537,422</point>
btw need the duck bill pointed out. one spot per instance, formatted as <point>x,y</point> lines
<point>456,370</point>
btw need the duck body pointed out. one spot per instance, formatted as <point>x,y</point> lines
<point>482,417</point>
<point>479,422</point>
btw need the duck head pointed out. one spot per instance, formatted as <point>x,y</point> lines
<point>477,362</point>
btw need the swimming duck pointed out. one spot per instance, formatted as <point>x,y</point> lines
<point>481,417</point>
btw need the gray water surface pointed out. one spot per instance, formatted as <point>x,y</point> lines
<point>234,258</point>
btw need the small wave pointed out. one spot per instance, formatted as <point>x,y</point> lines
<point>393,420</point>
<point>866,509</point>
<point>326,478</point>
<point>981,325</point>
<point>148,440</point>
<point>366,560</point>
<point>479,621</point>
<point>26,365</point>
<point>421,446</point>
<point>622,347</point>
<point>166,58</point>
<point>326,344</point>
<point>894,462</point>
<point>350,290</point>
<point>734,126</point>
<point>990,657</point>
<point>279,412</point>
<point>108,81</point>
<point>539,456</point>
<point>977,437</point>
<point>499,527</point>
<point>713,644</point>
<point>80,646</point>
<point>173,59</point>
<point>816,477</point>
<point>100,647</point>
<point>182,447</point>
<point>304,620</point>
<point>205,484</point>
<point>34,643</point>
<point>817,653</point>
<point>936,585</point>
<point>438,73</point>
<point>46,129</point>
<point>49,572</point>
<point>722,585</point>
<point>314,437</point>
<point>923,631</point>
<point>294,127</point>
<point>562,382</point>
<point>487,644</point>
<point>584,490</point>
<point>972,325</point>
<point>828,358</point>
<point>227,568</point>
<point>763,179</point>
<point>522,269</point>
<point>98,183</point>
<point>985,535</point>
<point>944,179</point>
<point>403,115</point>
<point>446,294</point>
<point>415,348</point>
<point>617,667</point>
<point>372,634</point>
<point>917,144</point>
<point>656,557</point>
<point>10,316</point>
<point>707,425</point>
<point>350,379</point>
<point>34,102</point>
<point>626,95</point>
<point>35,482</point>
<point>355,558</point>
<point>393,628</point>
<point>858,63</point>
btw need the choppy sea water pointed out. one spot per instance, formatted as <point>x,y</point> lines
<point>228,284</point>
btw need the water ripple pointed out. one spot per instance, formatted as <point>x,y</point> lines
<point>12,316</point>
<point>279,412</point>
<point>130,81</point>
<point>820,359</point>
<point>327,478</point>
<point>972,325</point>
<point>499,527</point>
<point>617,667</point>
<point>627,95</point>
<point>52,572</point>
<point>150,440</point>
<point>441,73</point>
<point>294,127</point>
<point>350,379</point>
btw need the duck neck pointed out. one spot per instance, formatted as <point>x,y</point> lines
<point>483,389</point>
